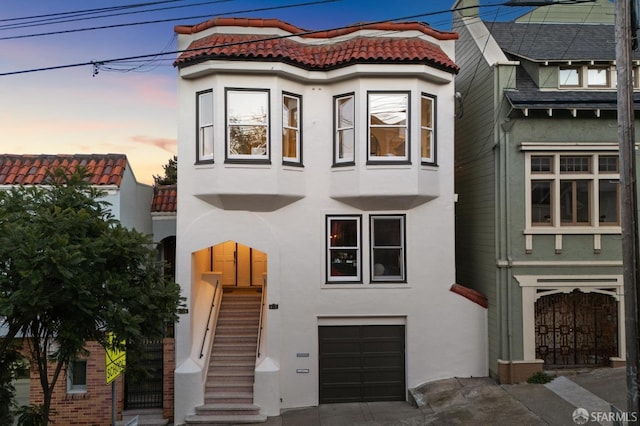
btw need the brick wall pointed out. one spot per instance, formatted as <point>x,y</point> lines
<point>90,408</point>
<point>167,382</point>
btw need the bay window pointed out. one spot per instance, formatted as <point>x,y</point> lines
<point>204,107</point>
<point>247,118</point>
<point>388,126</point>
<point>344,135</point>
<point>291,136</point>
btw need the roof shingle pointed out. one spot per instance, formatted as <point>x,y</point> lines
<point>165,199</point>
<point>104,169</point>
<point>372,48</point>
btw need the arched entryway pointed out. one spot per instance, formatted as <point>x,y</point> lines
<point>576,329</point>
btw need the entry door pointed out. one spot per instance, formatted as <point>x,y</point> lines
<point>241,266</point>
<point>362,363</point>
<point>576,329</point>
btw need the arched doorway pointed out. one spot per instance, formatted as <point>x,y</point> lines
<point>576,329</point>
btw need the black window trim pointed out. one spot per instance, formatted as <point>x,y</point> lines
<point>403,279</point>
<point>434,123</point>
<point>408,141</point>
<point>335,129</point>
<point>199,160</point>
<point>300,145</point>
<point>327,266</point>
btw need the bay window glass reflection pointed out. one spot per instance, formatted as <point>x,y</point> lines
<point>343,248</point>
<point>247,124</point>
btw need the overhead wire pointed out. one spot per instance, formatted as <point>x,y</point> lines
<point>96,64</point>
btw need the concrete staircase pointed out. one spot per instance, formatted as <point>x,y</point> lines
<point>145,417</point>
<point>229,387</point>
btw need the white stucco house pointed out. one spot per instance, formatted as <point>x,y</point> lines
<point>315,237</point>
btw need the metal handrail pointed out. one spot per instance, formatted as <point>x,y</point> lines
<point>264,293</point>
<point>213,302</point>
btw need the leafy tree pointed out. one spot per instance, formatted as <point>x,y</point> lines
<point>70,272</point>
<point>170,173</point>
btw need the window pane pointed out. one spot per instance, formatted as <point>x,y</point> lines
<point>249,108</point>
<point>387,141</point>
<point>344,233</point>
<point>344,133</point>
<point>289,143</point>
<point>577,164</point>
<point>205,126</point>
<point>388,124</point>
<point>425,144</point>
<point>248,140</point>
<point>541,202</point>
<point>290,112</point>
<point>569,77</point>
<point>426,129</point>
<point>598,77</point>
<point>247,119</point>
<point>344,262</point>
<point>387,248</point>
<point>574,202</point>
<point>387,262</point>
<point>609,202</point>
<point>387,232</point>
<point>388,108</point>
<point>345,144</point>
<point>541,164</point>
<point>608,163</point>
<point>343,244</point>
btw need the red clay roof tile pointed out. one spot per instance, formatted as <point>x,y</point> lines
<point>333,54</point>
<point>105,169</point>
<point>165,199</point>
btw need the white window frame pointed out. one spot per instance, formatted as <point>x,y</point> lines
<point>429,130</point>
<point>344,145</point>
<point>251,157</point>
<point>296,129</point>
<point>204,145</point>
<point>76,387</point>
<point>377,271</point>
<point>331,277</point>
<point>374,158</point>
<point>583,71</point>
<point>556,150</point>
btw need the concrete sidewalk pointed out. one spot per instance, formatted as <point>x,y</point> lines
<point>480,401</point>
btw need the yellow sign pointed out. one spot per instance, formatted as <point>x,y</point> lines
<point>115,361</point>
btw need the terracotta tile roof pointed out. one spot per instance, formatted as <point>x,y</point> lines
<point>165,199</point>
<point>371,48</point>
<point>105,169</point>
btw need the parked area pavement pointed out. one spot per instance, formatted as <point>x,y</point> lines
<point>481,401</point>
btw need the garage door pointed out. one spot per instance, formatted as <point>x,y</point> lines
<point>361,363</point>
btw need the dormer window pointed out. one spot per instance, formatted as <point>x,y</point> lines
<point>585,76</point>
<point>570,77</point>
<point>598,77</point>
<point>247,125</point>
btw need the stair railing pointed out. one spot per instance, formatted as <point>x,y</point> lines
<point>213,303</point>
<point>262,313</point>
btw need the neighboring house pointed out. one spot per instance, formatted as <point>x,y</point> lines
<point>537,174</point>
<point>315,238</point>
<point>164,207</point>
<point>83,397</point>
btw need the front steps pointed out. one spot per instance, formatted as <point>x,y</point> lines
<point>146,417</point>
<point>229,387</point>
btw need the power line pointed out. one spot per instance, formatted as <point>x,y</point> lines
<point>55,21</point>
<point>158,21</point>
<point>97,64</point>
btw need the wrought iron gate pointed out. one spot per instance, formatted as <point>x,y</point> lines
<point>576,329</point>
<point>147,392</point>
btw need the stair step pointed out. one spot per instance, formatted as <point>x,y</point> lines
<point>230,419</point>
<point>242,370</point>
<point>224,397</point>
<point>226,409</point>
<point>221,386</point>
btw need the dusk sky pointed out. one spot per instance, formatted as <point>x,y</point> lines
<point>129,107</point>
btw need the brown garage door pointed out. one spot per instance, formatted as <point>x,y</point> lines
<point>361,363</point>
